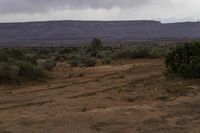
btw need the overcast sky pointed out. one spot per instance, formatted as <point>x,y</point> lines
<point>39,10</point>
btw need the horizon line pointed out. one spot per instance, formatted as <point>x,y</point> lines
<point>77,20</point>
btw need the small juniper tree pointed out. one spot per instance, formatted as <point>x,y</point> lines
<point>94,47</point>
<point>184,60</point>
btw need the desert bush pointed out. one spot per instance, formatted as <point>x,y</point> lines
<point>29,71</point>
<point>48,64</point>
<point>41,53</point>
<point>93,49</point>
<point>13,54</point>
<point>88,61</point>
<point>103,54</point>
<point>76,56</point>
<point>21,70</point>
<point>159,52</point>
<point>100,55</point>
<point>63,51</point>
<point>74,63</point>
<point>60,57</point>
<point>74,59</point>
<point>141,52</point>
<point>134,52</point>
<point>106,61</point>
<point>6,54</point>
<point>131,53</point>
<point>16,66</point>
<point>84,60</point>
<point>7,72</point>
<point>96,43</point>
<point>184,60</point>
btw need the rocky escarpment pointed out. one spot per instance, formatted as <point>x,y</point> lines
<point>75,32</point>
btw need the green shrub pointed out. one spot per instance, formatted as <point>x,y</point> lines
<point>96,43</point>
<point>41,53</point>
<point>15,66</point>
<point>74,63</point>
<point>60,57</point>
<point>88,61</point>
<point>74,56</point>
<point>131,53</point>
<point>63,51</point>
<point>6,54</point>
<point>106,61</point>
<point>141,52</point>
<point>75,59</point>
<point>93,49</point>
<point>49,64</point>
<point>29,71</point>
<point>85,60</point>
<point>21,70</point>
<point>159,52</point>
<point>103,54</point>
<point>7,72</point>
<point>134,52</point>
<point>100,55</point>
<point>184,60</point>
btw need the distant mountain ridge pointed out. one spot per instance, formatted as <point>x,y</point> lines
<point>74,32</point>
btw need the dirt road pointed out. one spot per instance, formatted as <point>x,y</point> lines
<point>130,96</point>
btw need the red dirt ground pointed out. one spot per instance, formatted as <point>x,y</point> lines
<point>128,96</point>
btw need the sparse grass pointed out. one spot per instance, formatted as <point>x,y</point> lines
<point>163,97</point>
<point>174,87</point>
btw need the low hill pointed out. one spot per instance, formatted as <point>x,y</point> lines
<point>76,32</point>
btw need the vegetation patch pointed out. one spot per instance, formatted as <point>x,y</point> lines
<point>15,66</point>
<point>184,61</point>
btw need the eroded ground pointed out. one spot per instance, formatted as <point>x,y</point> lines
<point>130,96</point>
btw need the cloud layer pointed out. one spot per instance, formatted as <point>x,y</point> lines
<point>36,10</point>
<point>24,6</point>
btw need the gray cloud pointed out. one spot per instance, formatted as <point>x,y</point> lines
<point>39,10</point>
<point>37,6</point>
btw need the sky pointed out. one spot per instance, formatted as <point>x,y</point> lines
<point>43,10</point>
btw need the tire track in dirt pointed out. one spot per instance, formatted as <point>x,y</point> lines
<point>26,91</point>
<point>25,105</point>
<point>114,87</point>
<point>13,103</point>
<point>93,78</point>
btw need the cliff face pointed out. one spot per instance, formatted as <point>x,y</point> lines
<point>83,31</point>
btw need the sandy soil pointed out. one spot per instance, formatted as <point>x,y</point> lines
<point>128,96</point>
